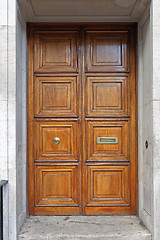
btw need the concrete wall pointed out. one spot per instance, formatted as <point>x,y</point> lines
<point>21,118</point>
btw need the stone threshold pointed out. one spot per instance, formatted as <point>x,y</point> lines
<point>83,228</point>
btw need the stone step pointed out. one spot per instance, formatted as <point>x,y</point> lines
<point>84,228</point>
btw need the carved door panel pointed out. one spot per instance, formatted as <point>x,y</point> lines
<point>54,95</point>
<point>81,119</point>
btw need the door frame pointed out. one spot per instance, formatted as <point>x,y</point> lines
<point>31,27</point>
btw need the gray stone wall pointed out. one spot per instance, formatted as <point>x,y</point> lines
<point>8,113</point>
<point>149,118</point>
<point>145,112</point>
<point>21,119</point>
<point>156,117</point>
<point>13,116</point>
<point>3,105</point>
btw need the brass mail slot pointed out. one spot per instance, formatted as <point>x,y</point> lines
<point>107,140</point>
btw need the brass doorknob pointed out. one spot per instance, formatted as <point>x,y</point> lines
<point>56,140</point>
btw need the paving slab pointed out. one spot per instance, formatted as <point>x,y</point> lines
<point>84,228</point>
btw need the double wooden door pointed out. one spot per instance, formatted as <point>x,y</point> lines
<point>82,119</point>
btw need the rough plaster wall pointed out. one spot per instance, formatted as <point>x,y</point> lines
<point>21,120</point>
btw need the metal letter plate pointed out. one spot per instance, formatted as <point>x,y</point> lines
<point>107,140</point>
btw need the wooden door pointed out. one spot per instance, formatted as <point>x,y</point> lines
<point>82,119</point>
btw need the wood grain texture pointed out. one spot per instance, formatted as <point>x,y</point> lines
<point>82,86</point>
<point>107,96</point>
<point>106,51</point>
<point>56,96</point>
<point>109,110</point>
<point>45,149</point>
<point>108,186</point>
<point>56,185</point>
<point>107,152</point>
<point>55,51</point>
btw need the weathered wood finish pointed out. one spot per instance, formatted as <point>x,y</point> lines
<point>82,86</point>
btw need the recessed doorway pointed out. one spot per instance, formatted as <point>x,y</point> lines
<point>82,119</point>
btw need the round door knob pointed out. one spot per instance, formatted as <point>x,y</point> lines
<point>56,140</point>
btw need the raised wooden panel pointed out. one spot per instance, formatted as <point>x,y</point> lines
<point>56,96</point>
<point>108,185</point>
<point>108,151</point>
<point>82,119</point>
<point>107,96</point>
<point>106,51</point>
<point>56,51</point>
<point>56,185</point>
<point>46,149</point>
